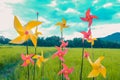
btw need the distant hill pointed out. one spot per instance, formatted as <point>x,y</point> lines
<point>4,40</point>
<point>115,37</point>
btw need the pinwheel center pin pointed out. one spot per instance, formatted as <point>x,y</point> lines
<point>66,72</point>
<point>38,57</point>
<point>97,67</point>
<point>60,54</point>
<point>63,24</point>
<point>27,61</point>
<point>26,32</point>
<point>88,18</point>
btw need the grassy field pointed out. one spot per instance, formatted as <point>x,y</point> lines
<point>10,63</point>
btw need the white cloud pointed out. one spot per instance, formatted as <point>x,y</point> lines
<point>7,18</point>
<point>9,33</point>
<point>11,1</point>
<point>105,29</point>
<point>118,0</point>
<point>107,5</point>
<point>72,36</point>
<point>116,16</point>
<point>70,10</point>
<point>57,9</point>
<point>76,24</point>
<point>53,3</point>
<point>6,14</point>
<point>98,31</point>
<point>44,20</point>
<point>47,31</point>
<point>95,2</point>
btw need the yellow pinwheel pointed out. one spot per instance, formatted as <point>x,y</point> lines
<point>25,32</point>
<point>40,59</point>
<point>62,24</point>
<point>37,33</point>
<point>91,40</point>
<point>97,68</point>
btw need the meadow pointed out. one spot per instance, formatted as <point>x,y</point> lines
<point>11,69</point>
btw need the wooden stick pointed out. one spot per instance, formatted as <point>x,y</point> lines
<point>35,54</point>
<point>28,73</point>
<point>81,69</point>
<point>61,67</point>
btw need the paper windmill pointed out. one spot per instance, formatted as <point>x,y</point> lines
<point>25,32</point>
<point>97,67</point>
<point>27,59</point>
<point>88,17</point>
<point>62,24</point>
<point>91,40</point>
<point>66,71</point>
<point>40,59</point>
<point>37,33</point>
<point>86,35</point>
<point>64,44</point>
<point>60,53</point>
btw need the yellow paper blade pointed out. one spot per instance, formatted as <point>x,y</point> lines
<point>103,71</point>
<point>58,23</point>
<point>35,57</point>
<point>38,63</point>
<point>32,24</point>
<point>18,26</point>
<point>92,42</point>
<point>38,33</point>
<point>64,21</point>
<point>33,39</point>
<point>45,59</point>
<point>99,60</point>
<point>90,61</point>
<point>93,73</point>
<point>18,40</point>
<point>95,39</point>
<point>88,40</point>
<point>26,37</point>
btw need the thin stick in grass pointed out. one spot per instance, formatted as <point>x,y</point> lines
<point>61,67</point>
<point>81,69</point>
<point>92,56</point>
<point>42,71</point>
<point>28,73</point>
<point>35,54</point>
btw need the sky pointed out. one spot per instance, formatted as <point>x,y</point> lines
<point>52,11</point>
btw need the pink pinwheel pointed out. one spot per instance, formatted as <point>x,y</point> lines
<point>88,17</point>
<point>27,59</point>
<point>66,71</point>
<point>60,53</point>
<point>64,44</point>
<point>86,54</point>
<point>86,34</point>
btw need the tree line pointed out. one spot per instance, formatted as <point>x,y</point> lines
<point>76,42</point>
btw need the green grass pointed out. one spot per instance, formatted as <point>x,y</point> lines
<point>10,63</point>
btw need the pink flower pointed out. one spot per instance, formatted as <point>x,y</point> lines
<point>88,17</point>
<point>86,34</point>
<point>64,44</point>
<point>60,53</point>
<point>27,59</point>
<point>66,71</point>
